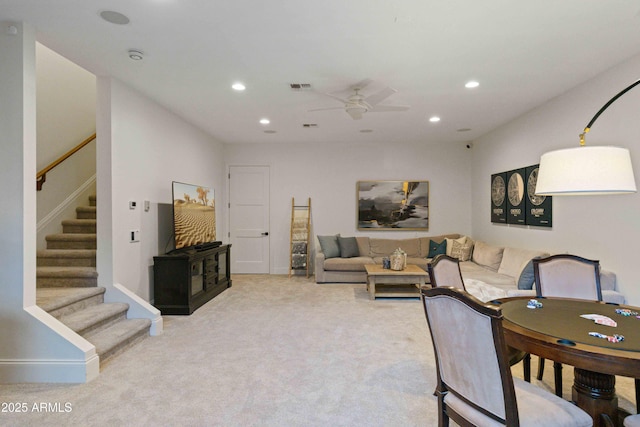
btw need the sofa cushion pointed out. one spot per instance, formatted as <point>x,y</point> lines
<point>363,245</point>
<point>487,255</point>
<point>347,264</point>
<point>385,247</point>
<point>471,270</point>
<point>436,248</point>
<point>329,246</point>
<point>348,247</point>
<point>514,260</point>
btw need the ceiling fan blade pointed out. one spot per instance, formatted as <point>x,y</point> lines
<point>355,114</point>
<point>380,96</point>
<point>384,108</point>
<point>360,85</point>
<point>325,109</point>
<point>337,98</point>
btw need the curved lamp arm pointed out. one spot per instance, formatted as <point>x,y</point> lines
<point>611,101</point>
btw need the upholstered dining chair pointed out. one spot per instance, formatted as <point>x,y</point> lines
<point>565,276</point>
<point>474,382</point>
<point>444,270</point>
<point>632,421</point>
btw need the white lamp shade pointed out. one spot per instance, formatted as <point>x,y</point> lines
<point>586,170</point>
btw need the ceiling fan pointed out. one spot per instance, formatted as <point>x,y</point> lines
<point>357,104</point>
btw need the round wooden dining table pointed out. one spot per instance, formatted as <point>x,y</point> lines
<point>556,331</point>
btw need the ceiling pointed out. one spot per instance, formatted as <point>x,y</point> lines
<point>522,54</point>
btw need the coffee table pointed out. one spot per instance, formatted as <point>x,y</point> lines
<point>388,283</point>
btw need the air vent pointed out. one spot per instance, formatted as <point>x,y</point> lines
<point>310,125</point>
<point>300,86</point>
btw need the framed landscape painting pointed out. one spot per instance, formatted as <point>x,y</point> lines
<point>393,205</point>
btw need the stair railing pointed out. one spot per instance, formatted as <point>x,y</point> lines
<point>41,177</point>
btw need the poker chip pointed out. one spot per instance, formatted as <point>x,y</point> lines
<point>611,338</point>
<point>534,303</point>
<point>626,312</point>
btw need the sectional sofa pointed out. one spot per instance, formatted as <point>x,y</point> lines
<point>488,271</point>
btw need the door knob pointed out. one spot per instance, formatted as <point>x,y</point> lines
<point>266,233</point>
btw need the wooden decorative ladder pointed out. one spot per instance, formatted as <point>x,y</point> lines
<point>300,236</point>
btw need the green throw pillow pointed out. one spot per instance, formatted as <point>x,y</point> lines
<point>348,247</point>
<point>436,248</point>
<point>329,246</point>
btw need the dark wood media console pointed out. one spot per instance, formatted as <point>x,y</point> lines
<point>186,280</point>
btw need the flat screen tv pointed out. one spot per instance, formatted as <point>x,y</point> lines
<point>194,215</point>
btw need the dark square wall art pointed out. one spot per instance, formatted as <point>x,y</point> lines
<point>513,199</point>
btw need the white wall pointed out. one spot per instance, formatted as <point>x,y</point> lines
<point>598,227</point>
<point>66,116</point>
<point>34,347</point>
<point>328,174</point>
<point>66,105</point>
<point>142,147</point>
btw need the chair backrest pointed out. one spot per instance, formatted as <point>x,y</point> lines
<point>445,271</point>
<point>567,276</point>
<point>471,353</point>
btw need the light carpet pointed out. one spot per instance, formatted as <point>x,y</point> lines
<point>270,351</point>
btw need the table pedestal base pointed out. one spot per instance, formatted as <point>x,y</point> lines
<point>596,394</point>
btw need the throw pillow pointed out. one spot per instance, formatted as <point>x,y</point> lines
<point>348,247</point>
<point>329,246</point>
<point>436,248</point>
<point>527,277</point>
<point>460,240</point>
<point>462,251</point>
<point>487,255</point>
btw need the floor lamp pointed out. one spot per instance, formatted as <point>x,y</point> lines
<point>586,170</point>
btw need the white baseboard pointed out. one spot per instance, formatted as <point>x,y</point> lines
<point>49,371</point>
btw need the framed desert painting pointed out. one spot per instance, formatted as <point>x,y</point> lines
<point>393,205</point>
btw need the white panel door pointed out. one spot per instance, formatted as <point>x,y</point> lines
<point>249,218</point>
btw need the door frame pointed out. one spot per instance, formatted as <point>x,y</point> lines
<point>227,206</point>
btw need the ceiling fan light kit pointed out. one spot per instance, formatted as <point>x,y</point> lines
<point>356,104</point>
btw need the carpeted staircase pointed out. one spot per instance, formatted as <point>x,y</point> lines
<point>67,288</point>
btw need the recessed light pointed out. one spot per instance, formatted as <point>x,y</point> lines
<point>135,54</point>
<point>114,17</point>
<point>238,86</point>
<point>264,121</point>
<point>434,119</point>
<point>471,84</point>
